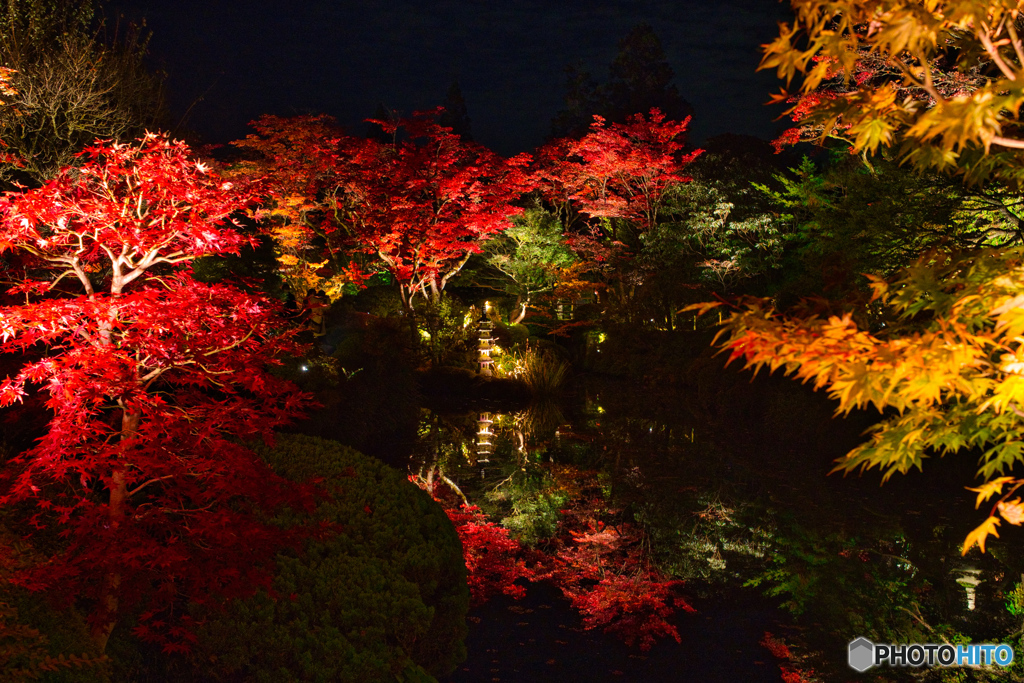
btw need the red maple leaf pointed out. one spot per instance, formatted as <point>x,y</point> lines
<point>154,380</point>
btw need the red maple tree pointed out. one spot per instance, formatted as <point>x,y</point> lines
<point>602,569</point>
<point>155,381</point>
<point>491,555</point>
<point>605,570</point>
<point>618,172</point>
<point>425,203</point>
<point>421,204</point>
<point>304,162</point>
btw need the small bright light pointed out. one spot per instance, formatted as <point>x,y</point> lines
<point>305,368</point>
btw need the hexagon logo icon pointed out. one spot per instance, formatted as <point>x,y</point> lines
<point>862,655</point>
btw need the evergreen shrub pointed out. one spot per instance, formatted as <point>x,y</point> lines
<point>383,599</point>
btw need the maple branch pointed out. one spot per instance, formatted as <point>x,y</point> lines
<point>61,277</point>
<point>993,52</point>
<point>927,84</point>
<point>145,484</point>
<point>153,376</point>
<point>83,277</point>
<point>456,269</point>
<point>1018,48</point>
<point>1005,496</point>
<point>455,488</point>
<point>1007,142</point>
<point>152,257</point>
<point>183,511</point>
<point>232,345</point>
<point>208,371</point>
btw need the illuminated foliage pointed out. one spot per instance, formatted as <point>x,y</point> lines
<point>940,79</point>
<point>422,204</point>
<point>605,570</point>
<point>426,204</point>
<point>949,368</point>
<point>490,555</point>
<point>531,256</point>
<point>609,191</point>
<point>942,358</point>
<point>154,382</point>
<point>302,160</point>
<point>619,171</point>
<point>791,671</point>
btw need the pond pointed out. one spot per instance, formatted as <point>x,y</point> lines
<point>729,482</point>
<point>721,483</point>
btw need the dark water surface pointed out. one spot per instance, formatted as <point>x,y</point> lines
<point>540,638</point>
<point>730,480</point>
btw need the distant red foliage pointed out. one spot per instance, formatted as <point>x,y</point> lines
<point>791,671</point>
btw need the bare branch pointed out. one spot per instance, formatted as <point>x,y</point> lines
<point>1018,48</point>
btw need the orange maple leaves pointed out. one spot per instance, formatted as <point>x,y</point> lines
<point>946,365</point>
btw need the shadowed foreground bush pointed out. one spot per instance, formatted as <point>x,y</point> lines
<point>39,641</point>
<point>383,600</point>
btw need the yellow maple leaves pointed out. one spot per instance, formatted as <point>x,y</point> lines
<point>1010,510</point>
<point>979,535</point>
<point>944,77</point>
<point>949,360</point>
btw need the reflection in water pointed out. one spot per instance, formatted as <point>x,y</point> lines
<point>729,503</point>
<point>970,581</point>
<point>560,508</point>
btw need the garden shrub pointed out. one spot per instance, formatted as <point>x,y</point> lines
<point>384,599</point>
<point>38,640</point>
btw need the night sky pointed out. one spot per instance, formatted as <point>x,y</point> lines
<point>228,62</point>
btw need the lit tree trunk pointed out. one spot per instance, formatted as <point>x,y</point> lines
<point>522,306</point>
<point>118,501</point>
<point>116,514</point>
<point>406,293</point>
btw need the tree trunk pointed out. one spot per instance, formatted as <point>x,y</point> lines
<point>522,305</point>
<point>116,514</point>
<point>406,294</point>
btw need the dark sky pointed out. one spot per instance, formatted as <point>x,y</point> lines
<point>229,62</point>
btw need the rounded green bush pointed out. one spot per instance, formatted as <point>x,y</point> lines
<point>384,599</point>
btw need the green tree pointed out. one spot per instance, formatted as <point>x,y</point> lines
<point>455,115</point>
<point>640,78</point>
<point>381,597</point>
<point>531,257</point>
